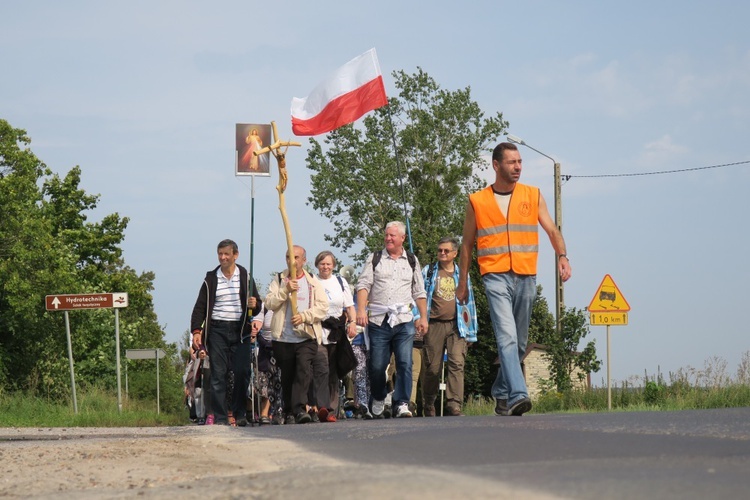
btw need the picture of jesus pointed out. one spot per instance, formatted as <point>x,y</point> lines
<point>250,138</point>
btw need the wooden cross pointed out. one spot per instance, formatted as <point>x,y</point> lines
<point>275,150</point>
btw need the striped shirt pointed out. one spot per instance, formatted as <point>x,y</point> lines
<point>228,306</point>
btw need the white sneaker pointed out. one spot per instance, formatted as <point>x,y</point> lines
<point>377,408</point>
<point>403,411</point>
<point>364,413</point>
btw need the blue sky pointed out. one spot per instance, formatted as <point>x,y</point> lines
<point>144,97</point>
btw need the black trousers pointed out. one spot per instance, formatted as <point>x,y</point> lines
<point>296,363</point>
<point>225,351</point>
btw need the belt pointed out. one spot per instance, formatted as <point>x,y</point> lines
<point>442,320</point>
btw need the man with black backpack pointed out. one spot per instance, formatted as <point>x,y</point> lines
<point>392,283</point>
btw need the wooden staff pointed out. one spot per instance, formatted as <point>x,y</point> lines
<point>280,156</point>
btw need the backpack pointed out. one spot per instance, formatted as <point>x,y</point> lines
<point>376,256</point>
<point>430,273</point>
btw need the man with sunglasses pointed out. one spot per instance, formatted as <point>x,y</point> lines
<point>451,326</point>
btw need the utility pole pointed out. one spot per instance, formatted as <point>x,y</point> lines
<point>559,297</point>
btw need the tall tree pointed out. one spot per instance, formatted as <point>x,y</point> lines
<point>442,141</point>
<point>31,261</point>
<point>48,247</point>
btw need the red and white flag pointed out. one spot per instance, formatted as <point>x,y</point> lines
<point>353,90</point>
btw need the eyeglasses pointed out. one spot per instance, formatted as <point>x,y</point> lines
<point>444,250</point>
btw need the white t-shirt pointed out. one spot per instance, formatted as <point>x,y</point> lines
<point>265,316</point>
<point>503,201</point>
<point>304,295</point>
<point>338,299</point>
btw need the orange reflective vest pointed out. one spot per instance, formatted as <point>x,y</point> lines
<point>507,244</point>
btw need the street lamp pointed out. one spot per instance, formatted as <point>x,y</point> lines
<point>559,301</point>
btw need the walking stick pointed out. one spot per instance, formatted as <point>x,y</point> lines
<point>280,156</point>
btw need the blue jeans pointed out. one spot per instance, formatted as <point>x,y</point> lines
<point>385,340</point>
<point>510,297</point>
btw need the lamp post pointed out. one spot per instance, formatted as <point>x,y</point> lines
<point>559,301</point>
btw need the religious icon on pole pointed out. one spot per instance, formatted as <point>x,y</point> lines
<point>251,137</point>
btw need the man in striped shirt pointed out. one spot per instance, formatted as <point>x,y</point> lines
<point>221,324</point>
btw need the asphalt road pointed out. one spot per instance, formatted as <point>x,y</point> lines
<point>664,455</point>
<point>686,454</point>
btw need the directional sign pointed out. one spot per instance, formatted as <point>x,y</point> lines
<point>144,353</point>
<point>86,301</point>
<point>608,298</point>
<point>611,318</point>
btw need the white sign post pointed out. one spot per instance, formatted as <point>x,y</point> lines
<point>149,354</point>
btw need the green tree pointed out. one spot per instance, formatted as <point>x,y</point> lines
<point>563,350</point>
<point>481,365</point>
<point>442,141</point>
<point>31,261</point>
<point>48,247</point>
<point>95,245</point>
<point>441,137</point>
<point>542,322</point>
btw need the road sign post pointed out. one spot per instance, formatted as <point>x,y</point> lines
<point>156,354</point>
<point>117,360</point>
<point>608,307</point>
<point>70,362</point>
<point>78,302</point>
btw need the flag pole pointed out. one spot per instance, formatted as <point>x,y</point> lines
<point>400,177</point>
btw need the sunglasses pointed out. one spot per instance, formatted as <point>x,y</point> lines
<point>444,250</point>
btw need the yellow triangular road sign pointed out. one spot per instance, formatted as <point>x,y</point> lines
<point>608,298</point>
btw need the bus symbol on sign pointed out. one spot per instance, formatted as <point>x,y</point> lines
<point>607,293</point>
<point>608,298</point>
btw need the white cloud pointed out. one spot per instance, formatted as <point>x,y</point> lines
<point>655,154</point>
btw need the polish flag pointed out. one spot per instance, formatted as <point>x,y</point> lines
<point>353,90</point>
